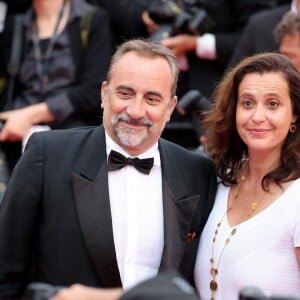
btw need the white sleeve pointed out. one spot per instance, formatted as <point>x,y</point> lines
<point>3,10</point>
<point>206,46</point>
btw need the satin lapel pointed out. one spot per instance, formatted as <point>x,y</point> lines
<point>93,208</point>
<point>179,211</point>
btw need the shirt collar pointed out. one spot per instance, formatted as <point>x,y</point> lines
<point>151,152</point>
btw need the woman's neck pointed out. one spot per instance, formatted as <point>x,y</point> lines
<point>258,167</point>
<point>47,8</point>
<point>47,14</point>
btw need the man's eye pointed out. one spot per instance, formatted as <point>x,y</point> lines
<point>153,100</point>
<point>124,94</point>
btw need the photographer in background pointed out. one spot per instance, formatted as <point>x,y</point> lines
<point>258,34</point>
<point>125,17</point>
<point>203,53</point>
<point>208,52</point>
<point>286,34</point>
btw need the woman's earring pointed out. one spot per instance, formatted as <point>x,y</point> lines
<point>293,127</point>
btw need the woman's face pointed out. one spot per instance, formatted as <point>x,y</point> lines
<point>264,112</point>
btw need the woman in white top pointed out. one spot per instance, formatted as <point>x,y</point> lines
<point>252,237</point>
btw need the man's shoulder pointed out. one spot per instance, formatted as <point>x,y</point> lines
<point>183,155</point>
<point>66,136</point>
<point>68,132</point>
<point>273,14</point>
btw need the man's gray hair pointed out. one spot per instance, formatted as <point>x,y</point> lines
<point>148,49</point>
<point>290,23</point>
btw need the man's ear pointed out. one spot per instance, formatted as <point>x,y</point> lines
<point>172,106</point>
<point>104,92</point>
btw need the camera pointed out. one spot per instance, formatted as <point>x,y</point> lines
<point>254,293</point>
<point>41,291</point>
<point>193,102</point>
<point>176,17</point>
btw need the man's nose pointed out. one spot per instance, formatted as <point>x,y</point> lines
<point>137,108</point>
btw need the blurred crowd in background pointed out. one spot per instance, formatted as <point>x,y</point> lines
<point>207,36</point>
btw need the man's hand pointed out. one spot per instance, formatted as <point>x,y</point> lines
<point>81,292</point>
<point>149,23</point>
<point>181,44</point>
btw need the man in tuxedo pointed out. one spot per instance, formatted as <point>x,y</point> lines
<point>258,35</point>
<point>77,210</point>
<point>287,34</point>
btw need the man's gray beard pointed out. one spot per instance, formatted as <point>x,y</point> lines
<point>130,137</point>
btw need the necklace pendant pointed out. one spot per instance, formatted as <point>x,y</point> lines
<point>213,272</point>
<point>254,205</point>
<point>213,285</point>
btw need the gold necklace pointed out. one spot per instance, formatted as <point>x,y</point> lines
<point>214,270</point>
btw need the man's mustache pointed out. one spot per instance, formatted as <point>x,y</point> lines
<point>128,119</point>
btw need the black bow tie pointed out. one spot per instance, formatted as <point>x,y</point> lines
<point>117,161</point>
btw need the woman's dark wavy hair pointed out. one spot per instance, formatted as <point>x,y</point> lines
<point>223,141</point>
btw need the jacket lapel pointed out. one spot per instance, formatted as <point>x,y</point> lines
<point>178,210</point>
<point>90,184</point>
<point>93,209</point>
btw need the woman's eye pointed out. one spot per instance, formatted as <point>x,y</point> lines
<point>273,104</point>
<point>247,103</point>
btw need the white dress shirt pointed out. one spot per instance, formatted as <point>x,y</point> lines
<point>137,217</point>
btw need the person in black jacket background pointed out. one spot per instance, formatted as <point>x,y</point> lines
<point>60,74</point>
<point>258,35</point>
<point>131,19</point>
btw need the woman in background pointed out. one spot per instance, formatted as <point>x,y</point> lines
<point>60,71</point>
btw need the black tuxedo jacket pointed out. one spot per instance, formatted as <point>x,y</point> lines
<point>258,35</point>
<point>55,215</point>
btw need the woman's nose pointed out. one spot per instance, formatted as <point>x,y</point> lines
<point>259,114</point>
